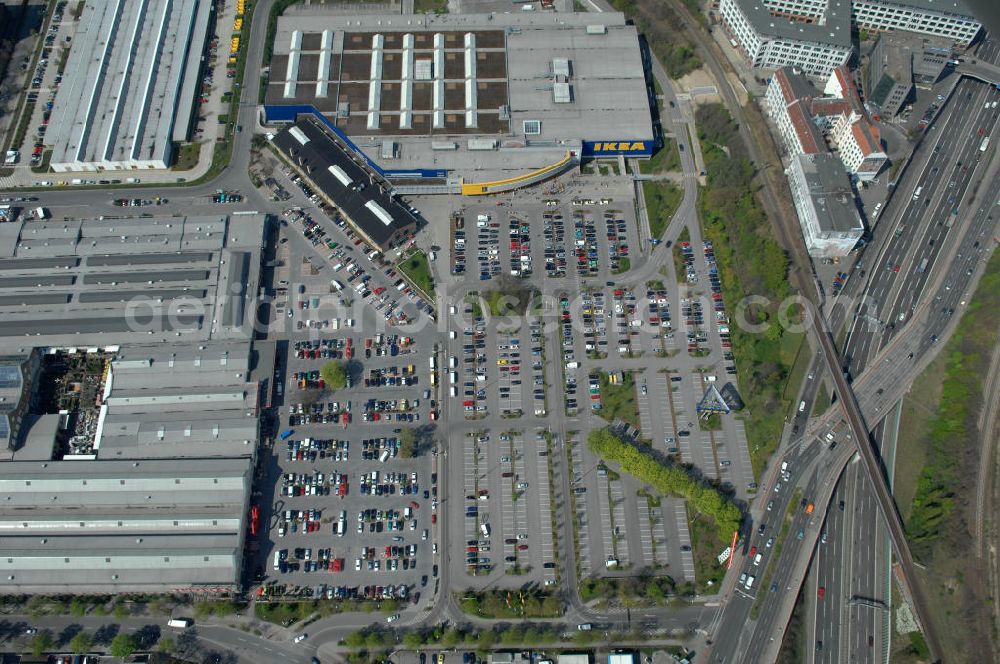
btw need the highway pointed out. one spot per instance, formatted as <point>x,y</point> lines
<point>878,391</point>
<point>918,229</point>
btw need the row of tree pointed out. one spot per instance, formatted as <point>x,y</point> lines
<point>667,480</point>
<point>123,645</point>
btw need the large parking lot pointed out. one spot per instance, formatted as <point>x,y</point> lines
<point>351,515</point>
<point>354,505</point>
<point>514,397</point>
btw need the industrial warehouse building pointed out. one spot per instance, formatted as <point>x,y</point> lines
<point>123,526</point>
<point>129,84</point>
<point>74,282</point>
<point>179,400</point>
<point>469,95</point>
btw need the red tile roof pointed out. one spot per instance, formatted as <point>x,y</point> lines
<point>805,129</point>
<point>867,137</point>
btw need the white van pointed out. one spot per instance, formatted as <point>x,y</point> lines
<point>452,362</point>
<point>453,391</point>
<point>183,623</point>
<point>452,377</point>
<point>750,580</point>
<point>484,528</point>
<point>336,285</point>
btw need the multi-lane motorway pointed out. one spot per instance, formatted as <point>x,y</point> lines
<point>920,230</point>
<point>847,627</point>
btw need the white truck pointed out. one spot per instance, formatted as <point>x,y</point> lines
<point>180,623</point>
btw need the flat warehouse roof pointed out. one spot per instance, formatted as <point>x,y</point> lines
<point>121,277</point>
<point>513,65</point>
<point>122,84</point>
<point>100,526</point>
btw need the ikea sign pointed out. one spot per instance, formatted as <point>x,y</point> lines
<point>615,148</point>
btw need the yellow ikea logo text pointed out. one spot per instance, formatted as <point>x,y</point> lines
<point>622,147</point>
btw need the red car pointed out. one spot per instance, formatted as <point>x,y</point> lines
<point>753,550</point>
<point>821,592</point>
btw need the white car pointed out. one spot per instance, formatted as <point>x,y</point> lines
<point>393,618</point>
<point>300,638</point>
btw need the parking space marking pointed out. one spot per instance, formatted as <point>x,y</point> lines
<point>743,451</point>
<point>646,533</point>
<point>645,416</point>
<point>583,544</point>
<point>687,557</point>
<point>607,531</point>
<point>620,531</point>
<point>659,529</point>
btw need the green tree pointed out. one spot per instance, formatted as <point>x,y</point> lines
<point>334,375</point>
<point>166,644</point>
<point>77,607</point>
<point>355,640</point>
<point>407,442</point>
<point>42,643</point>
<point>413,640</point>
<point>120,611</point>
<point>123,645</point>
<point>81,643</point>
<point>451,638</point>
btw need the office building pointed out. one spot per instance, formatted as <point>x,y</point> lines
<point>808,123</point>
<point>824,202</point>
<point>859,146</point>
<point>770,40</point>
<point>815,35</point>
<point>129,84</point>
<point>890,79</point>
<point>949,19</point>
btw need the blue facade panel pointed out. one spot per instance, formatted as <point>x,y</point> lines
<point>290,112</point>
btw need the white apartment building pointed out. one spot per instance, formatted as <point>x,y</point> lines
<point>859,146</point>
<point>815,35</point>
<point>939,18</point>
<point>802,120</point>
<point>824,202</point>
<point>769,41</point>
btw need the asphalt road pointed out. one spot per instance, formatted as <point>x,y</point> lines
<point>857,566</point>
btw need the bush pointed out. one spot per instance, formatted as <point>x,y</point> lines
<point>511,604</point>
<point>670,480</point>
